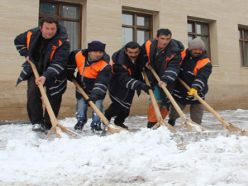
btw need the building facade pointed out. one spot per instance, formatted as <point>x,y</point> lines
<point>223,25</point>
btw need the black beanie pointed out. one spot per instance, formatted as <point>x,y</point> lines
<point>96,46</point>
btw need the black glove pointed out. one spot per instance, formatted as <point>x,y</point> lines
<point>70,76</point>
<point>93,97</point>
<point>145,88</point>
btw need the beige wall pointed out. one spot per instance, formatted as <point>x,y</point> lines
<point>102,21</point>
<point>16,16</point>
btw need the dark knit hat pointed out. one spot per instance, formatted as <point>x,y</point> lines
<point>96,46</point>
<point>197,43</point>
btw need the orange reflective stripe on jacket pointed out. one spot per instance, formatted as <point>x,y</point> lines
<point>29,34</point>
<point>201,63</point>
<point>54,49</point>
<point>148,49</point>
<point>80,61</point>
<point>89,71</point>
<point>183,54</point>
<point>93,70</point>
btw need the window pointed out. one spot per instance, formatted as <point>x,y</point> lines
<point>243,43</point>
<point>68,14</point>
<point>199,29</point>
<point>136,27</point>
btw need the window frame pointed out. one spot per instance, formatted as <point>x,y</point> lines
<point>137,27</point>
<point>59,16</point>
<point>194,34</point>
<point>242,41</point>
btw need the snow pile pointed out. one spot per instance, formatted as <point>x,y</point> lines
<point>146,157</point>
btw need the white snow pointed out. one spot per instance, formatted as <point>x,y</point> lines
<point>146,157</point>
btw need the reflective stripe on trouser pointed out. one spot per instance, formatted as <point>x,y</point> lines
<point>196,112</point>
<point>151,115</point>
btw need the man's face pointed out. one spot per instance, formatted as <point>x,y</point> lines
<point>95,55</point>
<point>132,53</point>
<point>48,30</point>
<point>163,41</point>
<point>196,52</point>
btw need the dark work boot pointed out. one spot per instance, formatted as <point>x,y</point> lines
<point>121,125</point>
<point>79,125</point>
<point>172,122</point>
<point>150,124</point>
<point>96,127</point>
<point>39,126</point>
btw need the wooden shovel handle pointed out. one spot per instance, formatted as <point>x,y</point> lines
<point>153,100</point>
<point>207,106</point>
<point>91,103</point>
<point>168,94</point>
<point>47,104</point>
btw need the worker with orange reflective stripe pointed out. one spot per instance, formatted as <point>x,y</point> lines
<point>47,47</point>
<point>195,71</point>
<point>93,75</point>
<point>164,55</point>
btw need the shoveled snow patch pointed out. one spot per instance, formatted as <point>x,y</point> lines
<point>146,157</point>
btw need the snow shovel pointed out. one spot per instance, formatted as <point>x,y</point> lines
<point>230,127</point>
<point>109,128</point>
<point>156,108</point>
<point>186,122</point>
<point>56,127</point>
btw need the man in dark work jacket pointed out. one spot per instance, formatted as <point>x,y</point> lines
<point>195,71</point>
<point>48,47</point>
<point>125,80</point>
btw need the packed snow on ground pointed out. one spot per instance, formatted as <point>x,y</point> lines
<point>145,157</point>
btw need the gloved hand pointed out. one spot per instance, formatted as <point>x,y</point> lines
<point>145,88</point>
<point>70,76</point>
<point>192,92</point>
<point>93,97</point>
